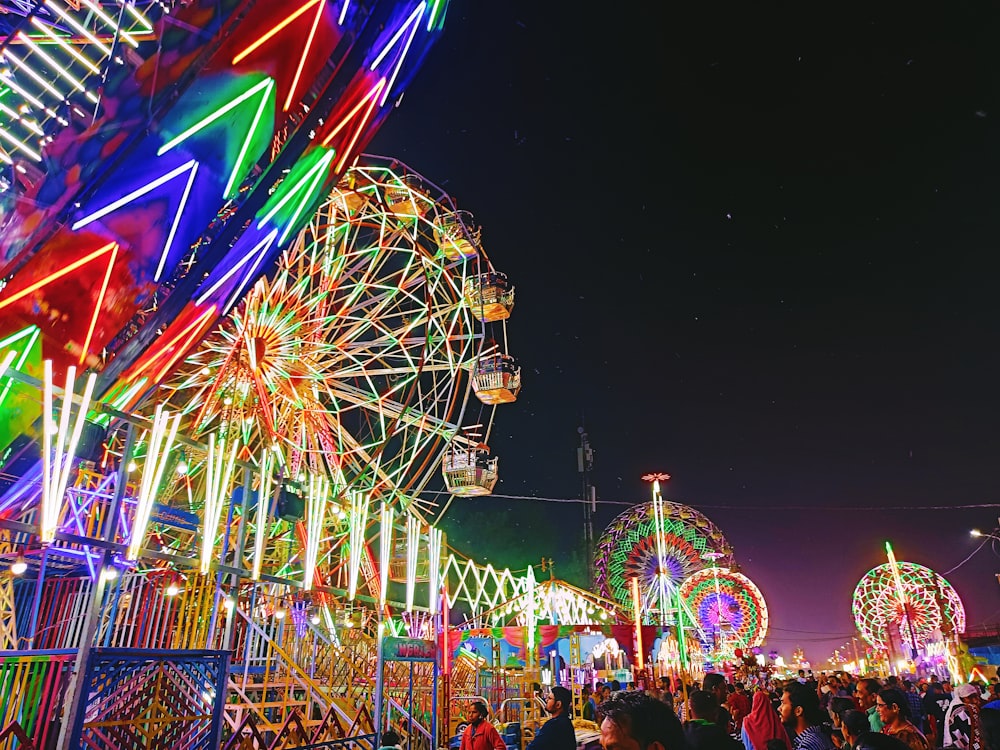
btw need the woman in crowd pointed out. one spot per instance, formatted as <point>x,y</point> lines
<point>763,724</point>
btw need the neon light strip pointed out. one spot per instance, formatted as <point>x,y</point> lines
<point>358,522</point>
<point>149,187</point>
<point>434,552</point>
<point>58,274</point>
<point>177,220</point>
<point>263,501</point>
<point>138,17</point>
<point>29,124</point>
<point>98,305</point>
<point>4,157</point>
<point>111,23</point>
<point>260,249</point>
<point>67,48</point>
<point>385,551</point>
<point>315,515</point>
<point>26,149</point>
<point>412,553</point>
<point>7,361</point>
<point>56,466</point>
<point>219,474</point>
<point>264,84</point>
<point>191,331</point>
<point>34,332</point>
<point>305,54</point>
<point>73,80</point>
<point>320,174</point>
<point>33,75</point>
<point>357,107</point>
<point>274,30</point>
<point>13,84</point>
<point>157,455</point>
<point>320,165</point>
<point>80,29</point>
<point>246,141</point>
<point>433,15</point>
<point>396,37</point>
<point>343,12</point>
<point>418,11</point>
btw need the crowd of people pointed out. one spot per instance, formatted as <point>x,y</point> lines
<point>828,712</point>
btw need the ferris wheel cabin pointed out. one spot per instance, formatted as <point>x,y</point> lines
<point>490,296</point>
<point>469,470</point>
<point>456,235</point>
<point>496,379</point>
<point>407,199</point>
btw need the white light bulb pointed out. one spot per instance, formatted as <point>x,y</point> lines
<point>19,566</point>
<point>172,590</point>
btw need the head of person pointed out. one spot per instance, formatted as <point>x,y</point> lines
<point>738,687</point>
<point>867,692</point>
<point>969,694</point>
<point>892,706</point>
<point>585,691</point>
<point>390,738</point>
<point>636,721</point>
<point>800,707</point>
<point>837,707</point>
<point>605,691</point>
<point>476,713</point>
<point>703,705</point>
<point>615,686</point>
<point>853,724</point>
<point>664,683</point>
<point>715,684</point>
<point>559,701</point>
<point>802,673</point>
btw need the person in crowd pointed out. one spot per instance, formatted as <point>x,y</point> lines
<point>989,727</point>
<point>801,713</point>
<point>931,717</point>
<point>738,704</point>
<point>557,733</point>
<point>867,695</point>
<point>961,727</point>
<point>480,734</point>
<point>589,704</point>
<point>666,694</point>
<point>715,683</point>
<point>859,736</point>
<point>634,721</point>
<point>894,711</point>
<point>837,707</point>
<point>763,725</point>
<point>702,730</point>
<point>390,740</point>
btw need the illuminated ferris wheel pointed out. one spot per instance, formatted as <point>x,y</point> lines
<point>728,607</point>
<point>356,357</point>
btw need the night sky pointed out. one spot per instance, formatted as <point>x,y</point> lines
<point>754,246</point>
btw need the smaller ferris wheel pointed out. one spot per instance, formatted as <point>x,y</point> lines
<point>906,598</point>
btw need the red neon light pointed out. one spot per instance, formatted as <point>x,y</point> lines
<point>372,98</point>
<point>98,305</point>
<point>165,349</point>
<point>305,54</point>
<point>275,30</point>
<point>59,274</point>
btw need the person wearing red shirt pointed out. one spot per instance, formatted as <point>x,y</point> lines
<point>480,734</point>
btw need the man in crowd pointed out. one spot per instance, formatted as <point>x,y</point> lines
<point>635,721</point>
<point>867,695</point>
<point>738,704</point>
<point>961,722</point>
<point>480,734</point>
<point>701,730</point>
<point>801,713</point>
<point>589,704</point>
<point>557,733</point>
<point>715,684</point>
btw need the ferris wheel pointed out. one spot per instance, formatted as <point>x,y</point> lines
<point>917,603</point>
<point>356,357</point>
<point>630,548</point>
<point>728,604</point>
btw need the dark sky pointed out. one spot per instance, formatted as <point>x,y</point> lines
<point>753,243</point>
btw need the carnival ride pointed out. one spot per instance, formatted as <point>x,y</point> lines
<point>671,565</point>
<point>905,609</point>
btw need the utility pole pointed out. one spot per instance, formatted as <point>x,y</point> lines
<point>585,465</point>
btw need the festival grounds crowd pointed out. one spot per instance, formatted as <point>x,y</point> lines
<point>827,712</point>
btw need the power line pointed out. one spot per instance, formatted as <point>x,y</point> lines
<point>866,508</point>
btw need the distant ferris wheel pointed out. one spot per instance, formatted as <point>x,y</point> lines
<point>629,548</point>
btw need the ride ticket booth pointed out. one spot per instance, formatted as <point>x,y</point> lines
<point>406,690</point>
